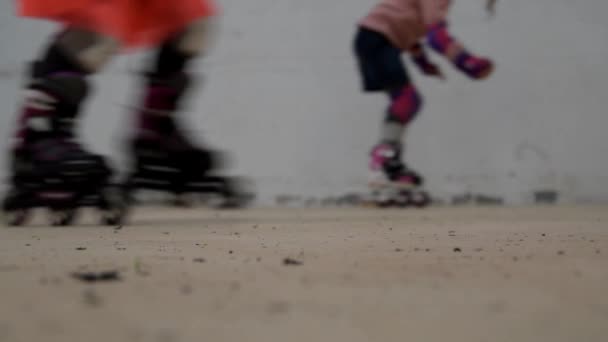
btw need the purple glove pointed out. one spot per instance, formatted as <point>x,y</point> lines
<point>477,68</point>
<point>427,67</point>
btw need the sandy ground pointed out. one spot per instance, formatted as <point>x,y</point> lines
<point>451,274</point>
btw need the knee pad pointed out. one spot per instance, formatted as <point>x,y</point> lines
<point>405,105</point>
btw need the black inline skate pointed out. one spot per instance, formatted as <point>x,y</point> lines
<point>50,169</point>
<point>164,159</point>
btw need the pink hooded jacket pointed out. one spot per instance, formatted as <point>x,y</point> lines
<point>405,22</point>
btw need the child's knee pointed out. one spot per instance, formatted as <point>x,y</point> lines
<point>174,55</point>
<point>90,50</point>
<point>405,105</point>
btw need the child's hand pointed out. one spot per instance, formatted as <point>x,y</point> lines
<point>429,68</point>
<point>422,61</point>
<point>477,68</point>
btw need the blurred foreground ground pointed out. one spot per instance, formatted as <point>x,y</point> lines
<point>443,274</point>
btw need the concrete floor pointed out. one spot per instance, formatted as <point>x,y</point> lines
<point>442,274</point>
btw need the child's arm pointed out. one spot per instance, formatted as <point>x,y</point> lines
<point>443,42</point>
<point>423,62</point>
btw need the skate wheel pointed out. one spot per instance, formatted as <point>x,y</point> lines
<point>182,201</point>
<point>62,218</point>
<point>404,199</point>
<point>420,200</point>
<point>230,193</point>
<point>386,204</point>
<point>385,198</point>
<point>238,193</point>
<point>16,218</point>
<point>15,213</point>
<point>111,220</point>
<point>116,205</point>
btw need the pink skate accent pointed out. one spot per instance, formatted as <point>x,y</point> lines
<point>405,104</point>
<point>158,103</point>
<point>380,154</point>
<point>37,104</point>
<point>472,66</point>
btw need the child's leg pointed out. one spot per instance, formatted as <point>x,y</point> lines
<point>166,82</point>
<point>405,104</point>
<point>382,69</point>
<point>57,83</point>
<point>45,147</point>
<point>386,157</point>
<point>167,78</point>
<point>164,155</point>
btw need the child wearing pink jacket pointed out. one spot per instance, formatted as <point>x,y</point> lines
<point>391,28</point>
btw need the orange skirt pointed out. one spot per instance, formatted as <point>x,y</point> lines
<point>135,23</point>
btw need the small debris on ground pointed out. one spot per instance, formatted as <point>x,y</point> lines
<point>291,262</point>
<point>93,277</point>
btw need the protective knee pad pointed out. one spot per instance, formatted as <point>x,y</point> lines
<point>405,105</point>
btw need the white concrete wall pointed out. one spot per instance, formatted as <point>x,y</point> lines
<point>283,95</point>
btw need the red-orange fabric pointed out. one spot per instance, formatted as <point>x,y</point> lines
<point>135,23</point>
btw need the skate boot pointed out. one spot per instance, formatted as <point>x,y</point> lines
<point>50,168</point>
<point>164,157</point>
<point>392,183</point>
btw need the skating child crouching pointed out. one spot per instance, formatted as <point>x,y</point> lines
<point>391,28</point>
